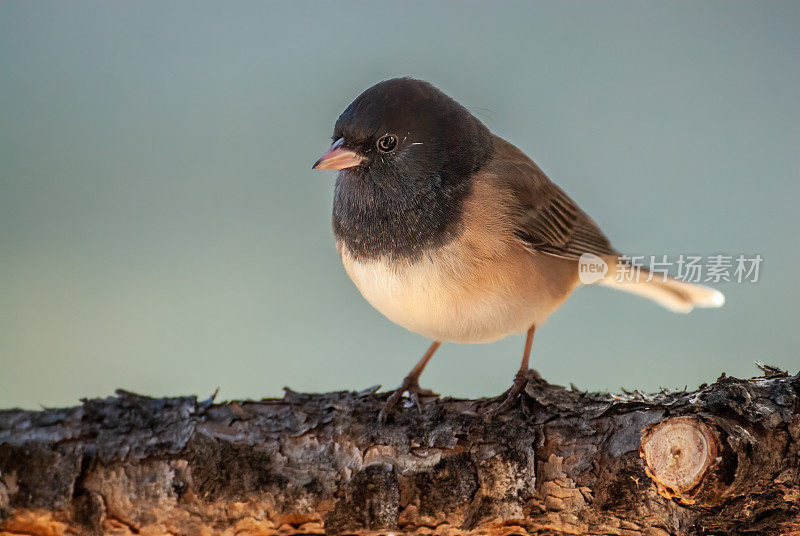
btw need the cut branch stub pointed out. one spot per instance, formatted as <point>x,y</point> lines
<point>678,454</point>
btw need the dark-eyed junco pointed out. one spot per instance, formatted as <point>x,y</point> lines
<point>455,234</point>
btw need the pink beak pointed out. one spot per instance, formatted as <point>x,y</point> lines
<point>338,158</point>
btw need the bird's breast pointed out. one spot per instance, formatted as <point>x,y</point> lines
<point>374,219</point>
<point>479,286</point>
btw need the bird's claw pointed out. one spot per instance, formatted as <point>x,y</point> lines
<point>415,394</point>
<point>511,396</point>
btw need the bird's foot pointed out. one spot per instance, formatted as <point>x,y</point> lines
<point>415,393</point>
<point>511,396</point>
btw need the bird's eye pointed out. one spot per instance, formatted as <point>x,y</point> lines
<point>387,143</point>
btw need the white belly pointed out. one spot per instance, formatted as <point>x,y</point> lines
<point>441,299</point>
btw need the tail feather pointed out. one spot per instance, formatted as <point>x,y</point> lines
<point>675,295</point>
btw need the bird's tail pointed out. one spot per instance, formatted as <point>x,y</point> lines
<point>675,295</point>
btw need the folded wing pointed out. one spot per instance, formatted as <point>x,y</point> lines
<point>546,219</point>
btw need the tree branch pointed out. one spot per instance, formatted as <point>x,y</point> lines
<point>724,459</point>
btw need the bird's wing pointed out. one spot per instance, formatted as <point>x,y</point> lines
<point>545,218</point>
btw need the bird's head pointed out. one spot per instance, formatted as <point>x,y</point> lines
<point>402,129</point>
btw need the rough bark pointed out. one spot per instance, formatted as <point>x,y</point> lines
<point>724,459</point>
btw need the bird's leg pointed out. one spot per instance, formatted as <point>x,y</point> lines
<point>411,384</point>
<point>521,378</point>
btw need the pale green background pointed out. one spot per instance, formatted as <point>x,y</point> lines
<point>161,229</point>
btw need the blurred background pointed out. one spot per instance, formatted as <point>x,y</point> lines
<point>161,229</point>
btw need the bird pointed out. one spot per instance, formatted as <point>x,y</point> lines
<point>454,233</point>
